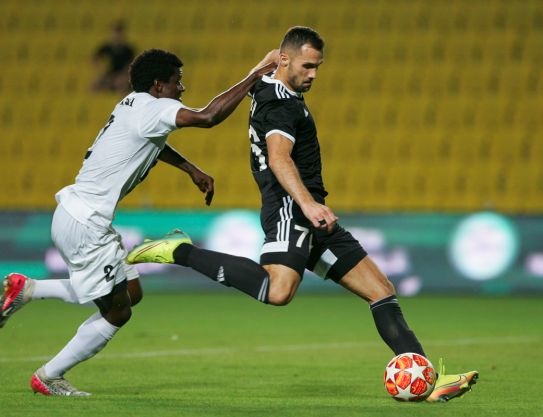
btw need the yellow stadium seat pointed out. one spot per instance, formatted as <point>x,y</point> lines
<point>434,108</point>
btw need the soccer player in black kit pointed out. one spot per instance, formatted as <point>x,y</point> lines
<point>301,232</point>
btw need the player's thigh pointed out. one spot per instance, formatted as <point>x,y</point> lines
<point>284,281</point>
<point>367,281</point>
<point>334,254</point>
<point>286,248</point>
<point>94,256</point>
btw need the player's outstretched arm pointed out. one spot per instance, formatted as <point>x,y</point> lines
<point>225,103</point>
<point>202,180</point>
<point>284,169</point>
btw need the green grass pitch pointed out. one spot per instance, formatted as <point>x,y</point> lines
<point>219,355</point>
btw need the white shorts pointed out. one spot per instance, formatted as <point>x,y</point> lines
<point>94,255</point>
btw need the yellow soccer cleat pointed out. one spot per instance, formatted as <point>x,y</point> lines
<point>453,385</point>
<point>158,251</point>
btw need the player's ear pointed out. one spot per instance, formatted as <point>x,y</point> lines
<point>284,59</point>
<point>157,85</point>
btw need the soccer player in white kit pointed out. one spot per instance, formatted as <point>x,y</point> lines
<point>127,147</point>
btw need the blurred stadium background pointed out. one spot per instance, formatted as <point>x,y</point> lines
<point>436,106</point>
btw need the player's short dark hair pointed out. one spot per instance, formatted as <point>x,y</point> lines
<point>151,65</point>
<point>298,36</point>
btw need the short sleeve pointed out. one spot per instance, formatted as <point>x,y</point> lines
<point>158,117</point>
<point>281,116</point>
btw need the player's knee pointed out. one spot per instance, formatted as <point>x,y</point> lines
<point>119,314</point>
<point>279,296</point>
<point>384,290</point>
<point>283,286</point>
<point>119,317</point>
<point>126,314</point>
<point>388,288</point>
<point>278,299</point>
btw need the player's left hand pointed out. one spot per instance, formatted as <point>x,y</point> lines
<point>205,183</point>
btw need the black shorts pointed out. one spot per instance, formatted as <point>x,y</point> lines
<point>291,240</point>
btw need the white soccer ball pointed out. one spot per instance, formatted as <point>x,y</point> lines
<point>410,377</point>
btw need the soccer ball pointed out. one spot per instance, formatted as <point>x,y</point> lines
<point>410,377</point>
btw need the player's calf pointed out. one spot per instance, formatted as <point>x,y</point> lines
<point>393,328</point>
<point>232,271</point>
<point>368,282</point>
<point>228,270</point>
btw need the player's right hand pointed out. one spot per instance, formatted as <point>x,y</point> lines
<point>320,216</point>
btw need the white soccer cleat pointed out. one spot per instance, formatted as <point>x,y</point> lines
<point>60,387</point>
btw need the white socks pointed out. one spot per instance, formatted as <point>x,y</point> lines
<point>91,337</point>
<point>55,288</point>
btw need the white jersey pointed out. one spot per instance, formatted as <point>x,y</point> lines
<point>120,157</point>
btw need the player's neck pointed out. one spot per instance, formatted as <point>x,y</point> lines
<point>282,76</point>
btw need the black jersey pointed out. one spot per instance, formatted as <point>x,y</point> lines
<point>276,109</point>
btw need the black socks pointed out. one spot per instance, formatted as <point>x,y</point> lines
<point>231,271</point>
<point>392,326</point>
<point>250,278</point>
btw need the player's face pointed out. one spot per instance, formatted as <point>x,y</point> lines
<point>302,68</point>
<point>173,88</point>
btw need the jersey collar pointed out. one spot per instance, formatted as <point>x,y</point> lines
<point>271,80</point>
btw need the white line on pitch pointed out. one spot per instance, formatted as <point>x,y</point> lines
<point>283,348</point>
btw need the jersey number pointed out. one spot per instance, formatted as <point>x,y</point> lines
<point>108,124</point>
<point>257,152</point>
<point>303,235</point>
<point>107,270</point>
